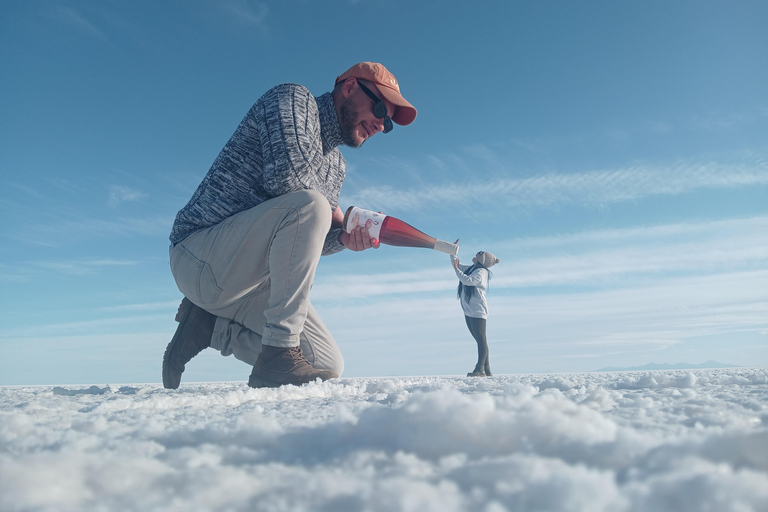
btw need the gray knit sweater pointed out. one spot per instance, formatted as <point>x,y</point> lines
<point>288,141</point>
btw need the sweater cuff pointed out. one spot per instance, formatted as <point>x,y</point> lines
<point>332,244</point>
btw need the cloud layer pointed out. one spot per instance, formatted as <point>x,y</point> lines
<point>625,442</point>
<point>587,188</point>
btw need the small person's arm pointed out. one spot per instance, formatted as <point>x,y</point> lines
<point>454,259</point>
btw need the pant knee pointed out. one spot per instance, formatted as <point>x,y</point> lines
<point>315,206</point>
<point>337,365</point>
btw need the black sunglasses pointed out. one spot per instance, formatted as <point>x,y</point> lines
<point>379,108</point>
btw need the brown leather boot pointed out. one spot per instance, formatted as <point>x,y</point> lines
<point>192,336</point>
<point>277,366</point>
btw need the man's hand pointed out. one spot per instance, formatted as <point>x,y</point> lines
<point>358,240</point>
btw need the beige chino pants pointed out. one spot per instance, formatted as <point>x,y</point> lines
<point>254,271</point>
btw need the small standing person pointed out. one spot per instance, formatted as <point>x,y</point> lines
<point>473,281</point>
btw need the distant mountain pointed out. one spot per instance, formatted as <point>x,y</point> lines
<point>667,366</point>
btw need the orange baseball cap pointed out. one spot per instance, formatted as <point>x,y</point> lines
<point>387,85</point>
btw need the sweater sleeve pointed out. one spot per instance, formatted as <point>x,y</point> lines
<point>332,244</point>
<point>292,145</point>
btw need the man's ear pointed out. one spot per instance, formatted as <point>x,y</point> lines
<point>348,86</point>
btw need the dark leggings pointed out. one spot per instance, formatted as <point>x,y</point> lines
<point>477,329</point>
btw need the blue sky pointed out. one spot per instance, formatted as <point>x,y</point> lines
<point>613,155</point>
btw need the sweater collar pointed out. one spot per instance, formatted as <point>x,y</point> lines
<point>329,122</point>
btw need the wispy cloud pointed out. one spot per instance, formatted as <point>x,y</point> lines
<point>113,325</point>
<point>25,190</point>
<point>551,331</point>
<point>662,312</point>
<point>590,188</point>
<point>32,270</point>
<point>121,194</point>
<point>749,228</point>
<point>357,286</point>
<point>149,306</point>
<point>245,11</point>
<point>14,274</point>
<point>68,231</point>
<point>74,19</point>
<point>85,267</point>
<point>605,258</point>
<point>559,303</point>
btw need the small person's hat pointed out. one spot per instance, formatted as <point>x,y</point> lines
<point>487,259</point>
<point>387,85</point>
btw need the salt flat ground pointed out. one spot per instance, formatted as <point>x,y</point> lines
<point>635,441</point>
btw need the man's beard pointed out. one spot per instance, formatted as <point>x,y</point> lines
<point>347,124</point>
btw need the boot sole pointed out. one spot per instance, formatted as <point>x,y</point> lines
<point>260,382</point>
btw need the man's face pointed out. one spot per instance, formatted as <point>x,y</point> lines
<point>358,123</point>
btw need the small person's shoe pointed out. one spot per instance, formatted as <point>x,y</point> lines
<point>277,366</point>
<point>477,372</point>
<point>192,336</point>
<point>488,370</point>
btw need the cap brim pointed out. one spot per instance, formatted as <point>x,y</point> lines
<point>405,113</point>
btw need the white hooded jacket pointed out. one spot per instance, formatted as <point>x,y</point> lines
<point>476,306</point>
